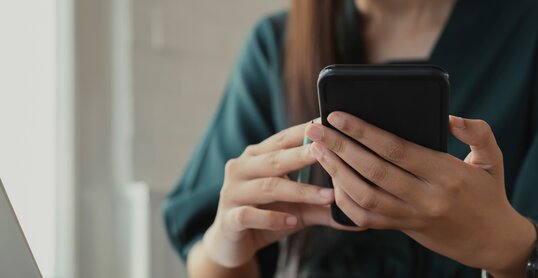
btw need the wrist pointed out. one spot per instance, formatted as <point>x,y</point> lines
<point>201,262</point>
<point>229,251</point>
<point>210,246</point>
<point>513,249</point>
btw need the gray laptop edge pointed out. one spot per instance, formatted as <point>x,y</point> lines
<point>16,259</point>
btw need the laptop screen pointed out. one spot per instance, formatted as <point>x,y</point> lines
<point>16,259</point>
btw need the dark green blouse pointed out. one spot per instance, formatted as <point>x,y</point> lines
<point>490,49</point>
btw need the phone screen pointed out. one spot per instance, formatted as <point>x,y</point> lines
<point>409,109</point>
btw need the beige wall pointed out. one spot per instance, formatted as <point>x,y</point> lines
<point>170,59</point>
<point>183,53</point>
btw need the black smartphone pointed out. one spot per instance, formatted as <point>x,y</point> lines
<point>410,101</point>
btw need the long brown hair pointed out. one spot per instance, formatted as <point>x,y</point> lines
<point>310,46</point>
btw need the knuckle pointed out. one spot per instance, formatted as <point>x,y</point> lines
<point>269,184</point>
<point>376,172</point>
<point>338,145</point>
<point>438,209</point>
<point>231,166</point>
<point>340,200</point>
<point>500,155</point>
<point>356,131</point>
<point>368,201</point>
<point>395,150</point>
<point>250,150</point>
<point>241,216</point>
<point>273,221</point>
<point>304,153</point>
<point>359,217</point>
<point>280,138</point>
<point>456,184</point>
<point>484,130</point>
<point>364,220</point>
<point>224,192</point>
<point>274,159</point>
<point>484,125</point>
<point>332,170</point>
<point>302,191</point>
<point>455,187</point>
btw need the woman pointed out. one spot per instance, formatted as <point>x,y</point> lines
<point>431,214</point>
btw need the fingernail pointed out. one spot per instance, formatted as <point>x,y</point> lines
<point>326,193</point>
<point>316,151</point>
<point>336,120</point>
<point>458,122</point>
<point>291,220</point>
<point>314,132</point>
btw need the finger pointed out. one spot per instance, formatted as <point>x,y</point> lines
<point>485,152</point>
<point>310,215</point>
<point>277,163</point>
<point>387,176</point>
<point>321,215</point>
<point>362,217</point>
<point>285,139</point>
<point>420,161</point>
<point>275,189</point>
<point>363,194</point>
<point>247,217</point>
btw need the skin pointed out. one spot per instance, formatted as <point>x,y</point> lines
<point>456,208</point>
<point>259,205</point>
<point>395,30</point>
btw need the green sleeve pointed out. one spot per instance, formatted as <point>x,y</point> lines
<point>244,116</point>
<point>525,195</point>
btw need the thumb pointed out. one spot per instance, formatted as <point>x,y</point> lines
<point>485,153</point>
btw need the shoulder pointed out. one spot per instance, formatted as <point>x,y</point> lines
<point>266,39</point>
<point>271,27</point>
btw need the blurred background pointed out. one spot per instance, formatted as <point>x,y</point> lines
<point>101,104</point>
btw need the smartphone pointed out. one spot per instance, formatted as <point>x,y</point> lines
<point>410,101</point>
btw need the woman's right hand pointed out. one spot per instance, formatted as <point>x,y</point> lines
<point>258,203</point>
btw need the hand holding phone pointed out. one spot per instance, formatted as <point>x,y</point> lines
<point>410,101</point>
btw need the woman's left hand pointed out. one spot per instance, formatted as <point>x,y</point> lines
<point>456,208</point>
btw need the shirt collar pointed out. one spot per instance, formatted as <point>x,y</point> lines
<point>467,25</point>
